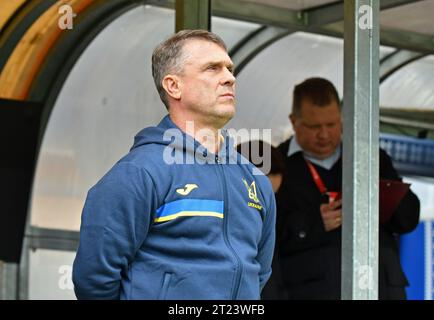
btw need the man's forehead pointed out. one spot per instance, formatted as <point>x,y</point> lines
<point>314,112</point>
<point>199,42</point>
<point>309,107</point>
<point>195,47</point>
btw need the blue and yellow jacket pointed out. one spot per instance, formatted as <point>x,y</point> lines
<point>173,221</point>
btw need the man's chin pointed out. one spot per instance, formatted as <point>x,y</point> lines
<point>227,112</point>
<point>320,155</point>
<point>222,118</point>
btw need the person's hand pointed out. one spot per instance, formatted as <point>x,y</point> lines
<point>331,214</point>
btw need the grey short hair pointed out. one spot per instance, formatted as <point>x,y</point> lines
<point>168,56</point>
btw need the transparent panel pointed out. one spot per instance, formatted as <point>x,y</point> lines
<point>107,98</point>
<point>50,275</point>
<point>398,17</point>
<point>232,31</point>
<point>410,87</point>
<point>264,86</point>
<point>384,51</point>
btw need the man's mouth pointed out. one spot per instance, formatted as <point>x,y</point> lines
<point>229,94</point>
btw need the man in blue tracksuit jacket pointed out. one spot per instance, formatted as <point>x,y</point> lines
<point>182,215</point>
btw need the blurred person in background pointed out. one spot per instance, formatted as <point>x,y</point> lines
<point>309,243</point>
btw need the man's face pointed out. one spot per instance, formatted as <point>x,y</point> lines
<point>318,129</point>
<point>207,83</point>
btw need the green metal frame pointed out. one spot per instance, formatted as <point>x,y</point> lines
<point>325,20</point>
<point>258,13</point>
<point>193,14</point>
<point>334,12</point>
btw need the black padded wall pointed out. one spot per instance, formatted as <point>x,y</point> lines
<point>19,130</point>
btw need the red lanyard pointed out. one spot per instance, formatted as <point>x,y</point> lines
<point>332,195</point>
<point>316,178</point>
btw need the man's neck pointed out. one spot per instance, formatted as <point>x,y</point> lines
<point>326,163</point>
<point>207,136</point>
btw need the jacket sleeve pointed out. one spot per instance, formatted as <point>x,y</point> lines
<point>266,245</point>
<point>406,216</point>
<point>115,221</point>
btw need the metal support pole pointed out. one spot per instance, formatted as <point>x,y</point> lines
<point>360,150</point>
<point>8,281</point>
<point>193,14</point>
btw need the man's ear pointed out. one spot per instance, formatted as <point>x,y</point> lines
<point>292,119</point>
<point>171,83</point>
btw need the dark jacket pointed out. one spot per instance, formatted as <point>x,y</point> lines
<point>153,229</point>
<point>310,257</point>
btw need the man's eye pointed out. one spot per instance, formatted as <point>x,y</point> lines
<point>212,68</point>
<point>312,127</point>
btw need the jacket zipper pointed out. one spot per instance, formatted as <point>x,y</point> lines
<point>225,231</point>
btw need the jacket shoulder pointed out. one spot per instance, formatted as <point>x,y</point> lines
<point>283,147</point>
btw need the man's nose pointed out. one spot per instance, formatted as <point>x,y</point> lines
<point>323,133</point>
<point>228,78</point>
